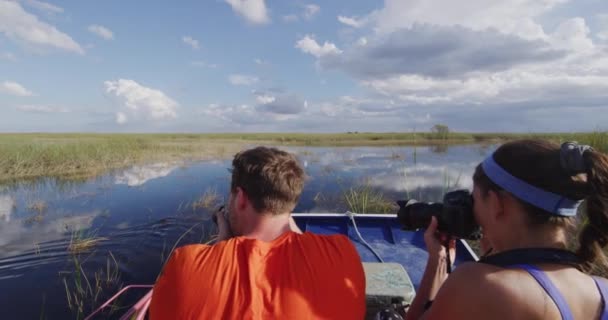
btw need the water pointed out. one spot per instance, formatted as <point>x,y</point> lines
<point>138,215</point>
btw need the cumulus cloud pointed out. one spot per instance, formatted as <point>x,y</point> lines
<point>140,100</point>
<point>496,61</point>
<point>19,25</point>
<point>191,42</point>
<point>572,34</point>
<point>290,18</point>
<point>42,109</point>
<point>254,11</point>
<point>279,103</point>
<point>352,21</point>
<point>121,118</point>
<point>44,6</point>
<point>14,88</point>
<point>310,11</point>
<point>260,62</point>
<point>8,56</point>
<point>509,16</point>
<point>439,52</point>
<point>309,45</point>
<point>602,34</point>
<point>101,31</point>
<point>203,64</point>
<point>242,79</point>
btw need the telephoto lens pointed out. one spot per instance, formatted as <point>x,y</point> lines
<point>454,216</point>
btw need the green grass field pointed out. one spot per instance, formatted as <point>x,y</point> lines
<point>28,156</point>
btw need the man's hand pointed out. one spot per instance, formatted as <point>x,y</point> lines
<point>222,224</point>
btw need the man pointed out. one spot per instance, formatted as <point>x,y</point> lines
<point>260,268</point>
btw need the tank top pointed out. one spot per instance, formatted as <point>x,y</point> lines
<point>544,281</point>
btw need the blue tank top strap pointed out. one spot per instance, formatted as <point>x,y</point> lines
<point>551,290</point>
<point>603,288</point>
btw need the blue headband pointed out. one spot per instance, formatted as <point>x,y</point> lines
<point>548,201</point>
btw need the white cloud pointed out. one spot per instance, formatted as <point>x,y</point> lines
<point>140,100</point>
<point>14,88</point>
<point>260,62</point>
<point>44,6</point>
<point>264,98</point>
<point>22,26</point>
<point>602,33</point>
<point>508,16</point>
<point>254,11</point>
<point>352,21</point>
<point>572,34</point>
<point>438,51</point>
<point>42,109</point>
<point>191,42</point>
<point>242,80</point>
<point>8,56</point>
<point>101,31</point>
<point>309,45</point>
<point>290,18</point>
<point>121,118</point>
<point>310,11</point>
<point>203,64</point>
<point>280,104</point>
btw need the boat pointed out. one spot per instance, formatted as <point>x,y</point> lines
<point>393,259</point>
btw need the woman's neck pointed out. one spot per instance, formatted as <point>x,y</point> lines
<point>538,237</point>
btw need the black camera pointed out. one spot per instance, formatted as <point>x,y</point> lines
<point>454,216</point>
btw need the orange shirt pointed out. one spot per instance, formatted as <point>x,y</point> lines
<point>296,276</point>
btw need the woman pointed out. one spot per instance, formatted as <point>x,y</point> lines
<point>526,197</point>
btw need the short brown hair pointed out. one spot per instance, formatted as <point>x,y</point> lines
<point>272,179</point>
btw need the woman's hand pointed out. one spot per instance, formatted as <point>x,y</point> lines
<point>435,242</point>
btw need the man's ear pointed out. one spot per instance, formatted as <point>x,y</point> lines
<point>242,199</point>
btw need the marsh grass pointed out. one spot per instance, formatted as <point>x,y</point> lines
<point>365,199</point>
<point>79,156</point>
<point>81,242</point>
<point>84,295</point>
<point>209,200</point>
<point>73,156</point>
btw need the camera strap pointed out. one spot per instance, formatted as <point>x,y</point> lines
<point>533,256</point>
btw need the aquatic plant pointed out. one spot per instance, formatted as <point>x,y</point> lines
<point>365,199</point>
<point>209,200</point>
<point>82,296</point>
<point>81,241</point>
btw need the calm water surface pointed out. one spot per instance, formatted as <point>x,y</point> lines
<point>138,215</point>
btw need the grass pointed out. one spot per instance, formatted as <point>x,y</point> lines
<point>364,199</point>
<point>209,200</point>
<point>81,242</point>
<point>82,295</point>
<point>28,156</point>
<point>74,156</point>
<point>39,207</point>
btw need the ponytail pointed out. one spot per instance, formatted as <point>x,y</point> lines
<point>593,236</point>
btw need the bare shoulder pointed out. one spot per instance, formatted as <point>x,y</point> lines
<point>475,291</point>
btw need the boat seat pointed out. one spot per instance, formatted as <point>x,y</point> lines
<point>385,282</point>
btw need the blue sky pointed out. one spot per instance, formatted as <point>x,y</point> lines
<point>303,66</point>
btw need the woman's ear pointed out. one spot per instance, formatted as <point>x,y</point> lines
<point>496,205</point>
